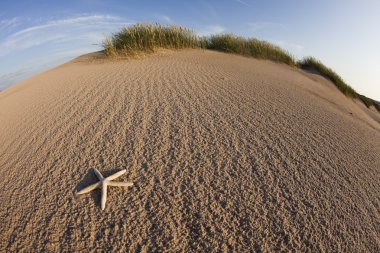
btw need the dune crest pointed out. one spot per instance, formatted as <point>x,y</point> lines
<point>226,153</point>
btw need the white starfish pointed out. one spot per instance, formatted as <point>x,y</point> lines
<point>103,183</point>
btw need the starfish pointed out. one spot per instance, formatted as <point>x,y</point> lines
<point>103,183</point>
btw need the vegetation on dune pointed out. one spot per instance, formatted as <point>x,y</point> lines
<point>369,102</point>
<point>310,63</point>
<point>249,47</point>
<point>148,37</point>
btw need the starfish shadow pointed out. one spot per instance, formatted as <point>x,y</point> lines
<point>90,178</point>
<point>109,172</point>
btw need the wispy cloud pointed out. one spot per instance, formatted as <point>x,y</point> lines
<point>212,29</point>
<point>165,18</point>
<point>209,9</point>
<point>31,68</point>
<point>12,77</point>
<point>59,31</point>
<point>257,26</point>
<point>242,2</point>
<point>8,23</point>
<point>91,19</point>
<point>51,41</point>
<point>21,73</point>
<point>293,47</point>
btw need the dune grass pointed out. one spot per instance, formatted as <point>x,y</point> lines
<point>146,38</point>
<point>369,102</point>
<point>249,47</point>
<point>311,63</point>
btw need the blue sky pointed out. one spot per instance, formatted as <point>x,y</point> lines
<point>345,35</point>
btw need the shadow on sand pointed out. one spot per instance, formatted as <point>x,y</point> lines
<point>90,178</point>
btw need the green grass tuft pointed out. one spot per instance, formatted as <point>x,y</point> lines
<point>249,47</point>
<point>148,37</point>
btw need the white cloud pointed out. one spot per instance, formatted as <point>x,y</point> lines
<point>16,76</point>
<point>209,30</point>
<point>257,26</point>
<point>81,20</point>
<point>8,23</point>
<point>59,31</point>
<point>50,43</point>
<point>289,46</point>
<point>242,2</point>
<point>165,18</point>
<point>31,68</point>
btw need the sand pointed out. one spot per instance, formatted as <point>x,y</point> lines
<point>227,154</point>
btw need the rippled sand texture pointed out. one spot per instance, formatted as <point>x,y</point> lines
<point>227,153</point>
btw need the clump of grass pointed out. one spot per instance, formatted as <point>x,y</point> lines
<point>310,63</point>
<point>376,104</point>
<point>368,101</point>
<point>148,37</point>
<point>109,47</point>
<point>249,47</point>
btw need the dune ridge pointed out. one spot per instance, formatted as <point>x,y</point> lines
<point>226,153</point>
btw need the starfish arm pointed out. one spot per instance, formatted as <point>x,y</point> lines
<point>89,188</point>
<point>104,195</point>
<point>116,175</point>
<point>125,184</point>
<point>98,174</point>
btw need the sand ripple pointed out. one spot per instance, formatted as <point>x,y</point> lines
<point>227,154</point>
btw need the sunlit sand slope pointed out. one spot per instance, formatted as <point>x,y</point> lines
<point>226,153</point>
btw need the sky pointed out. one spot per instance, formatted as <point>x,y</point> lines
<point>37,35</point>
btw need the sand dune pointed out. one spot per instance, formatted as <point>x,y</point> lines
<point>226,153</point>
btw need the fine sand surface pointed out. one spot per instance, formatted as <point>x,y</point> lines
<point>227,153</point>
